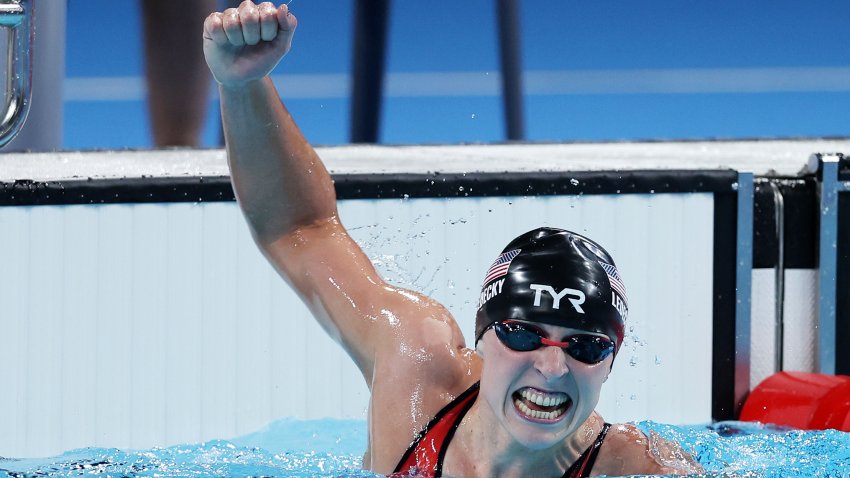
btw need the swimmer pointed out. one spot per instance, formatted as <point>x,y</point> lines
<point>548,328</point>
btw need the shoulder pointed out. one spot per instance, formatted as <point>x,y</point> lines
<point>424,342</point>
<point>628,451</point>
<point>423,366</point>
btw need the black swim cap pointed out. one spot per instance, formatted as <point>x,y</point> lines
<point>556,277</point>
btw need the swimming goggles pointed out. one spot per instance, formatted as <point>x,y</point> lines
<point>586,348</point>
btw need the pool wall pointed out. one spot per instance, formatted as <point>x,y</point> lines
<point>137,312</point>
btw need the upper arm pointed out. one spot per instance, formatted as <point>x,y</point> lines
<point>342,289</point>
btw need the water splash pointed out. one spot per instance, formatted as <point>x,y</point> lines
<point>748,449</point>
<point>212,459</point>
<point>333,448</point>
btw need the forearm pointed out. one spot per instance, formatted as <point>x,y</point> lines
<point>279,180</point>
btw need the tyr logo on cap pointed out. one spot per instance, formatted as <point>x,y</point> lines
<point>576,300</point>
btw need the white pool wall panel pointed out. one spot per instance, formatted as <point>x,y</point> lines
<point>801,329</point>
<point>800,319</point>
<point>143,325</point>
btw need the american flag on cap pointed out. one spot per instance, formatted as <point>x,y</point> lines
<point>500,266</point>
<point>615,280</point>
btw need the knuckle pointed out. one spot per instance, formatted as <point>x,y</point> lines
<point>247,7</point>
<point>211,21</point>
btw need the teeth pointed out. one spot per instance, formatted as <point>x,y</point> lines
<point>538,414</point>
<point>543,399</point>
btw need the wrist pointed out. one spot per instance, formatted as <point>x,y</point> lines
<point>240,85</point>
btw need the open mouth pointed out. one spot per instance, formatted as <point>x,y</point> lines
<point>539,406</point>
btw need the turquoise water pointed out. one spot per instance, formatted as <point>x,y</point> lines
<point>333,448</point>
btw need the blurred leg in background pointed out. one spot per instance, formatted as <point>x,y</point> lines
<point>178,79</point>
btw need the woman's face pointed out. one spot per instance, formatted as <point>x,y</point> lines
<point>542,396</point>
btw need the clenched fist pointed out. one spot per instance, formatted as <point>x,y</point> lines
<point>244,44</point>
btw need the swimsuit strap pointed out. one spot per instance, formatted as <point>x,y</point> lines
<point>428,449</point>
<point>581,468</point>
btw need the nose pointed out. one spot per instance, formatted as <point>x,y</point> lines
<point>551,362</point>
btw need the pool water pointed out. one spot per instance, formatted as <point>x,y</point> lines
<point>741,449</point>
<point>333,448</point>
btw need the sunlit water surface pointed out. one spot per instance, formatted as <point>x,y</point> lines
<point>333,448</point>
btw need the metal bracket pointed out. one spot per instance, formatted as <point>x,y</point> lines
<point>826,167</point>
<point>743,287</point>
<point>779,278</point>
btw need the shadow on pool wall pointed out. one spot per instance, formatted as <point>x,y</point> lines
<point>139,312</point>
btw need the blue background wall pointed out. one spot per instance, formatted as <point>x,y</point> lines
<point>601,70</point>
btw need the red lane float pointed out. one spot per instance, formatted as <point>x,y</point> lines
<point>808,401</point>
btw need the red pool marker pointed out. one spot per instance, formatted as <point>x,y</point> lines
<point>808,401</point>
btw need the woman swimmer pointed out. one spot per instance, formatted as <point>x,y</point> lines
<point>549,325</point>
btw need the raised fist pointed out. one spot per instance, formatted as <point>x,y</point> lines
<point>246,43</point>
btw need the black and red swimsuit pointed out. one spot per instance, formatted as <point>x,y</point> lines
<point>425,455</point>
